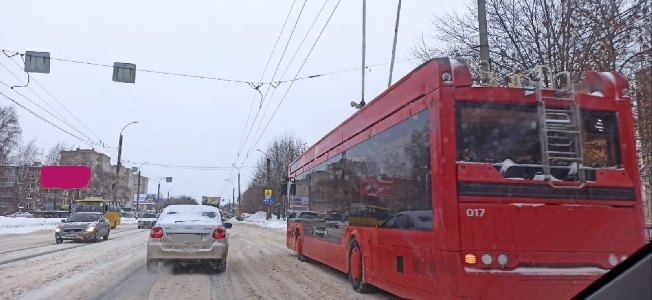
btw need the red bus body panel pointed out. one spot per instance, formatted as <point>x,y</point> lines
<point>553,245</point>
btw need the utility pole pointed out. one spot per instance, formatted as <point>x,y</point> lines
<point>391,66</point>
<point>269,213</point>
<point>364,46</point>
<point>158,195</point>
<point>239,193</point>
<point>239,196</point>
<point>232,198</point>
<point>138,194</point>
<point>117,171</point>
<point>484,39</point>
<point>117,166</point>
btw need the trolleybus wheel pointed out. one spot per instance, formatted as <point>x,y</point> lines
<point>356,269</point>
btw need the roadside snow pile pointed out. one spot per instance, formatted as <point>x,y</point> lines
<point>128,221</point>
<point>27,225</point>
<point>259,219</point>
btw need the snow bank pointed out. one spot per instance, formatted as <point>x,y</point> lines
<point>259,219</point>
<point>27,225</point>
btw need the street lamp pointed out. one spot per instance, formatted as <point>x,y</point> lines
<point>239,193</point>
<point>233,196</point>
<point>138,190</point>
<point>117,166</point>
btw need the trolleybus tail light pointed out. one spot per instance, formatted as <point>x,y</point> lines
<point>470,259</point>
<point>487,259</point>
<point>157,232</point>
<point>502,259</point>
<point>613,260</point>
<point>623,258</point>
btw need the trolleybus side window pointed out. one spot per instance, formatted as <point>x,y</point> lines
<point>385,174</point>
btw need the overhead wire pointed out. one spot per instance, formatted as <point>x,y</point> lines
<point>288,66</point>
<point>297,74</point>
<point>243,143</point>
<point>45,110</point>
<point>101,143</point>
<point>46,120</point>
<point>214,78</point>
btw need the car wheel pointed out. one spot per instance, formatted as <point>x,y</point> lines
<point>106,236</point>
<point>356,269</point>
<point>59,241</point>
<point>221,268</point>
<point>115,224</point>
<point>152,266</point>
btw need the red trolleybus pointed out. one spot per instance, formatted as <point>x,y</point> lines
<point>522,192</point>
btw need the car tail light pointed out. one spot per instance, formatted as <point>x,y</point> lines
<point>157,232</point>
<point>219,233</point>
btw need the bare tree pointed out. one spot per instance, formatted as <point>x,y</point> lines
<point>27,154</point>
<point>101,185</point>
<point>54,154</point>
<point>570,36</point>
<point>281,151</point>
<point>9,133</point>
<point>26,168</point>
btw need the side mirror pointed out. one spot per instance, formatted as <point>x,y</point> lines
<point>228,225</point>
<point>293,189</point>
<point>63,221</point>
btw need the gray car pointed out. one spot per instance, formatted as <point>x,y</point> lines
<point>83,226</point>
<point>189,234</point>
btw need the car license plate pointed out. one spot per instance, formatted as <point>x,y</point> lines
<point>185,238</point>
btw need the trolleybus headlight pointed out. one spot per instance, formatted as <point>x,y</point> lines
<point>470,259</point>
<point>613,260</point>
<point>502,259</point>
<point>487,259</point>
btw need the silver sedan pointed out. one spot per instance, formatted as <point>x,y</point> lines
<point>189,234</point>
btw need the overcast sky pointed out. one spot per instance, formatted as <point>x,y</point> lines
<point>190,121</point>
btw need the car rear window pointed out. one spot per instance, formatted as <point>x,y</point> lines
<point>149,216</point>
<point>190,213</point>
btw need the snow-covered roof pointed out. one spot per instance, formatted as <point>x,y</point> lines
<point>195,214</point>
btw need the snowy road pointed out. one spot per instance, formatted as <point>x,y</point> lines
<point>32,266</point>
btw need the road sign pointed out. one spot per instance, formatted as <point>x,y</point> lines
<point>268,194</point>
<point>124,72</point>
<point>268,201</point>
<point>37,62</point>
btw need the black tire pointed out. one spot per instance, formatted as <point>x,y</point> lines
<point>106,236</point>
<point>59,241</point>
<point>152,266</point>
<point>358,285</point>
<point>221,268</point>
<point>139,227</point>
<point>115,224</point>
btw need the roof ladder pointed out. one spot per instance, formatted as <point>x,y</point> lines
<point>560,130</point>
